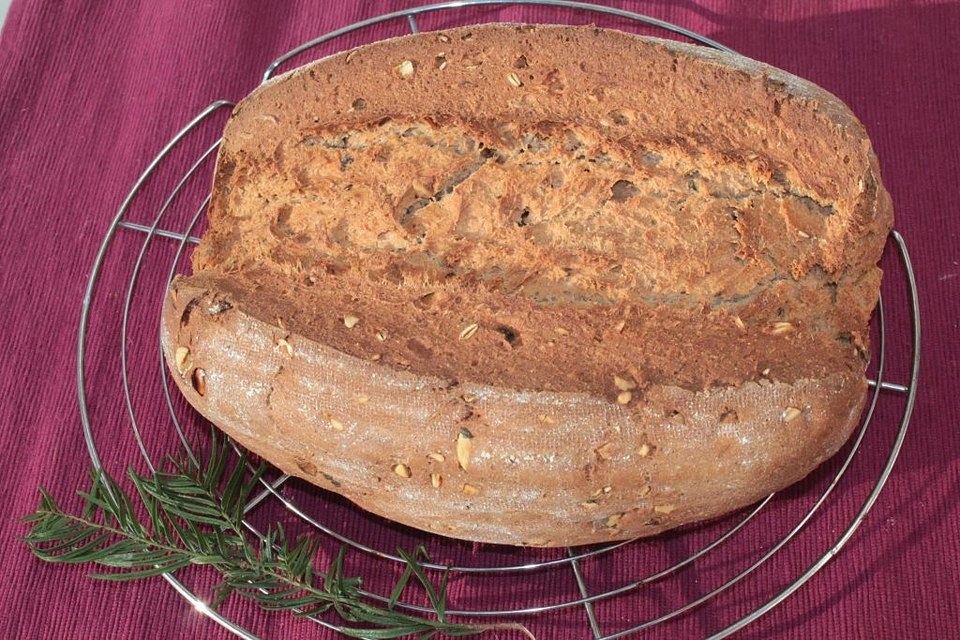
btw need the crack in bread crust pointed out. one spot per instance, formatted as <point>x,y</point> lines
<point>560,214</point>
<point>539,228</point>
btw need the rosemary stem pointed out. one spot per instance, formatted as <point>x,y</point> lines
<point>195,516</point>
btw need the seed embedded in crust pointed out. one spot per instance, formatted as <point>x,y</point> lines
<point>601,491</point>
<point>590,505</point>
<point>463,448</point>
<point>443,38</point>
<point>737,320</point>
<point>803,234</point>
<point>336,424</point>
<point>436,480</point>
<point>306,466</point>
<point>199,381</point>
<point>545,419</point>
<point>644,450</point>
<point>645,490</point>
<point>436,457</point>
<point>470,490</point>
<point>536,542</point>
<point>665,509</point>
<point>363,399</point>
<point>619,326</point>
<point>405,69</point>
<point>468,331</point>
<point>469,398</point>
<point>382,335</point>
<point>286,346</point>
<point>217,307</point>
<point>791,413</point>
<point>514,80</point>
<point>350,56</point>
<point>350,321</point>
<point>624,397</point>
<point>606,450</point>
<point>402,470</point>
<point>779,328</point>
<point>562,331</point>
<point>181,357</point>
<point>624,384</point>
<point>613,520</point>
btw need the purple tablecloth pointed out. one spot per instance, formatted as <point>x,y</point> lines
<point>89,92</point>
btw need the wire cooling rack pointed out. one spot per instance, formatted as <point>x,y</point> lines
<point>179,178</point>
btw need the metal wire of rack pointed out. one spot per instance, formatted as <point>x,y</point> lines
<point>574,559</point>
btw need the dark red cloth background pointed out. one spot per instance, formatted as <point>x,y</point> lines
<point>90,91</point>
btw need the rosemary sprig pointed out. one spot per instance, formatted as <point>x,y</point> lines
<point>194,515</point>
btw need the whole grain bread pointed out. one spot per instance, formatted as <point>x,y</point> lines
<point>536,285</point>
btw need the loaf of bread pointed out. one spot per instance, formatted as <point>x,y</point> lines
<point>536,285</point>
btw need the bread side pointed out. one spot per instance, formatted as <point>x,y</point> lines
<point>672,250</point>
<point>484,463</point>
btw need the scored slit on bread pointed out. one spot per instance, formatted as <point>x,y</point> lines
<point>639,280</point>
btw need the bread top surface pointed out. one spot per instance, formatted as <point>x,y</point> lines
<point>553,208</point>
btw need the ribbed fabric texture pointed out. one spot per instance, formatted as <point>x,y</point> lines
<point>89,92</point>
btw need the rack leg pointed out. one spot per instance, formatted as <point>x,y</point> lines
<point>582,586</point>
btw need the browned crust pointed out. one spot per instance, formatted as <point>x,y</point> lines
<point>805,131</point>
<point>557,462</point>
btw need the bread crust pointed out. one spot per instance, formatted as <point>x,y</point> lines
<point>613,410</point>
